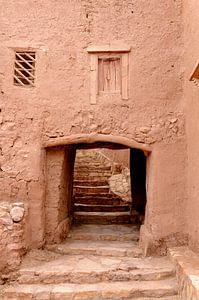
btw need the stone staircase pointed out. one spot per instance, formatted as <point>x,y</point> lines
<point>94,203</point>
<point>95,262</point>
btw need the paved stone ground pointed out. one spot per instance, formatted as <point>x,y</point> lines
<point>95,262</point>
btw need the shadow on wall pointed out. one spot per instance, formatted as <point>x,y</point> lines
<point>138,180</point>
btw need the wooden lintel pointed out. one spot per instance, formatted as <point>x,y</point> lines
<point>93,138</point>
<point>109,48</point>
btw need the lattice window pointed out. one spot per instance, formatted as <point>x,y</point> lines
<point>24,68</point>
<point>109,75</point>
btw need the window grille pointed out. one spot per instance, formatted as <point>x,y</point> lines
<point>24,68</point>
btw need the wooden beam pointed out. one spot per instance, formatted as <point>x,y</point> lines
<point>93,138</point>
<point>122,48</point>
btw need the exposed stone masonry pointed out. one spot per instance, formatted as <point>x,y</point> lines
<point>11,238</point>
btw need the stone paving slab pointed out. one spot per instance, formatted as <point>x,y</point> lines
<point>105,232</point>
<point>101,207</point>
<point>92,269</point>
<point>103,291</point>
<point>104,248</point>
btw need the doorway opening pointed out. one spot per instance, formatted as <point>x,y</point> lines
<point>102,187</point>
<point>93,183</point>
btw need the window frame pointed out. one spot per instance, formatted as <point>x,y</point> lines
<point>95,52</point>
<point>19,77</point>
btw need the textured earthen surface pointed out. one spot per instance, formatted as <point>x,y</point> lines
<point>163,43</point>
<point>12,245</point>
<point>191,92</point>
<point>187,269</point>
<point>95,272</point>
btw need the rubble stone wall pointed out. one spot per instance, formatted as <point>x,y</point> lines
<point>12,246</point>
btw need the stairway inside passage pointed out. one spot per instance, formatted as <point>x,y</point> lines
<point>94,201</point>
<point>101,258</point>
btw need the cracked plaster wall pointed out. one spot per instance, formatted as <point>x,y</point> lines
<point>59,103</point>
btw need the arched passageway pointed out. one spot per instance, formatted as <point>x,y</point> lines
<point>60,157</point>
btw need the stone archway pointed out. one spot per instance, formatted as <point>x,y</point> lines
<point>60,158</point>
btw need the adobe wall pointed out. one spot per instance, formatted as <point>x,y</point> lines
<point>191,21</point>
<point>59,104</point>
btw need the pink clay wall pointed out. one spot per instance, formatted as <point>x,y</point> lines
<point>191,21</point>
<point>59,105</point>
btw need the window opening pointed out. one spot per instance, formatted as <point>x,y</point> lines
<point>109,75</point>
<point>24,68</point>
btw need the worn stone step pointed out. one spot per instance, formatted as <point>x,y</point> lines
<point>96,200</point>
<point>90,182</point>
<point>87,163</point>
<point>101,208</point>
<point>92,269</point>
<point>102,291</point>
<point>112,248</point>
<point>91,189</point>
<point>93,232</point>
<point>86,158</point>
<point>93,195</point>
<point>99,177</point>
<point>92,167</point>
<point>91,174</point>
<point>102,217</point>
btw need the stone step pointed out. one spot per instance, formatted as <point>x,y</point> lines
<point>97,200</point>
<point>92,269</point>
<point>101,208</point>
<point>93,195</point>
<point>87,163</point>
<point>102,291</point>
<point>99,177</point>
<point>91,167</point>
<point>91,174</point>
<point>90,182</point>
<point>102,217</point>
<point>88,158</point>
<point>91,189</point>
<point>112,248</point>
<point>104,232</point>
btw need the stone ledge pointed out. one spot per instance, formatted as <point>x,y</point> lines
<point>187,268</point>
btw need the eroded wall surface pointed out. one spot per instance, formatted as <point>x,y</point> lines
<point>191,20</point>
<point>59,104</point>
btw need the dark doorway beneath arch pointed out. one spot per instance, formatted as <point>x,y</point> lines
<point>136,202</point>
<point>59,186</point>
<point>138,181</point>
